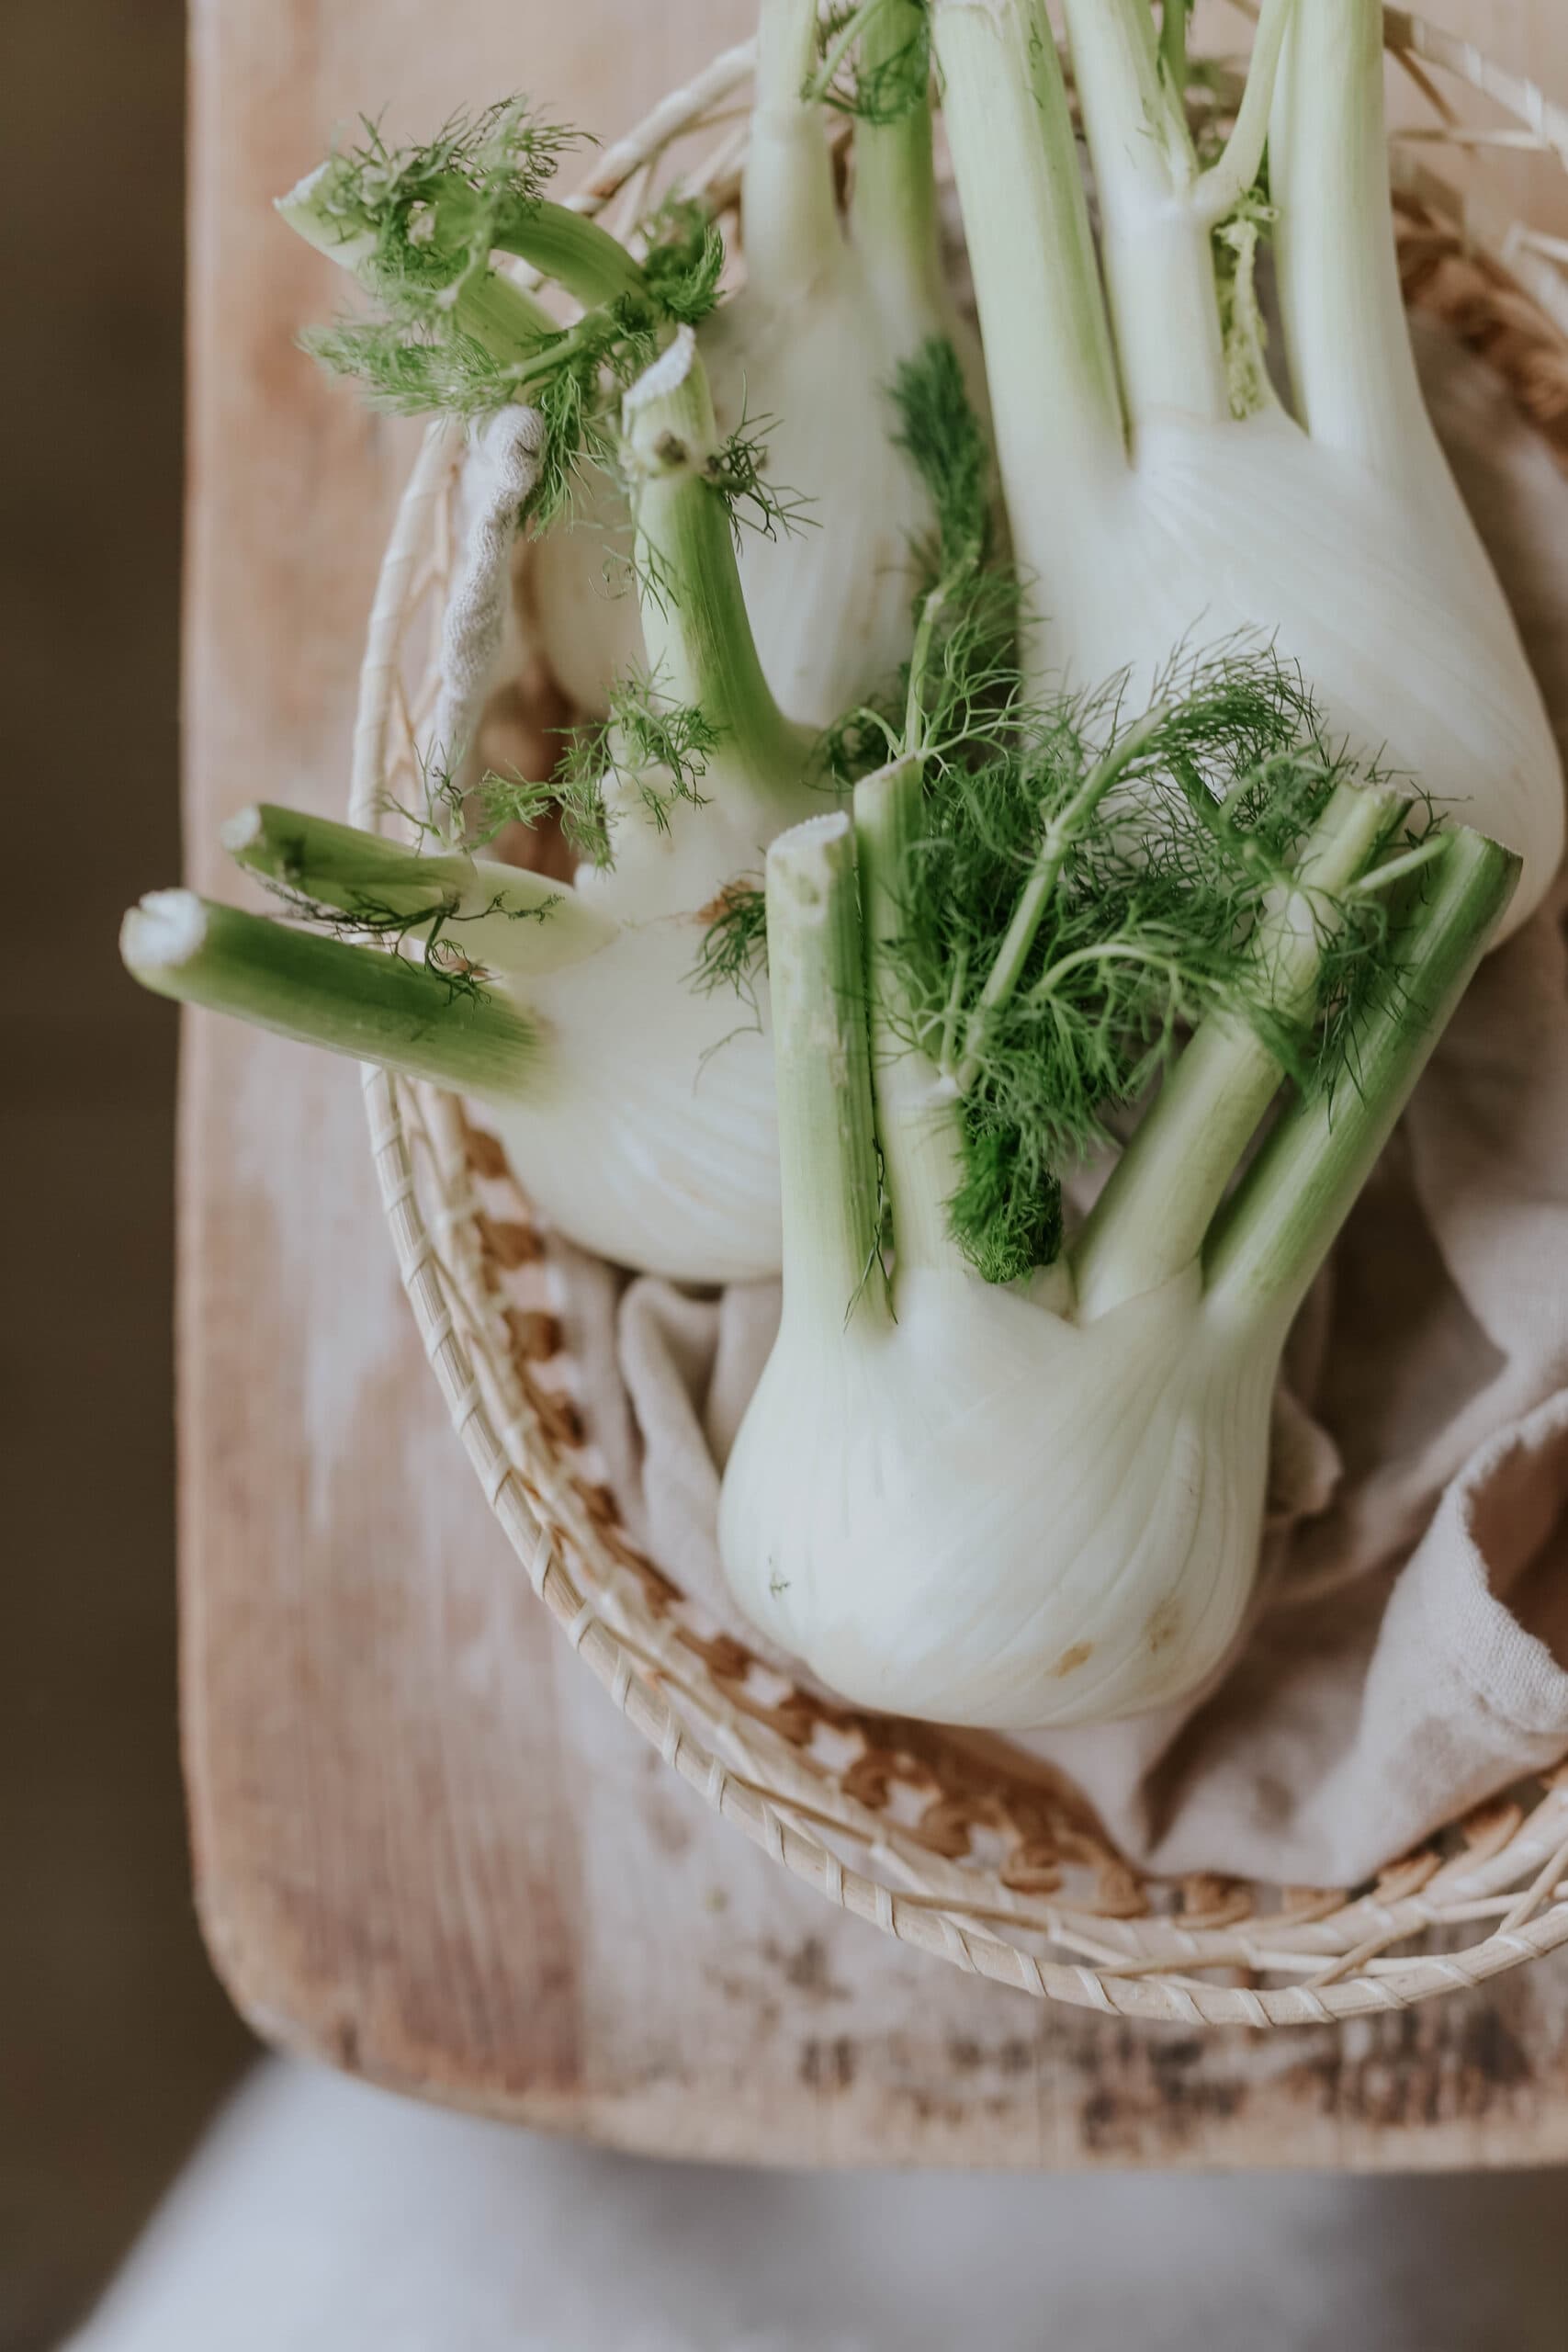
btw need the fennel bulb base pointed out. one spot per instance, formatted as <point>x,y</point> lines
<point>984,1515</point>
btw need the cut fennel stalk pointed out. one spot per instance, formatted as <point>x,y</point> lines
<point>1156,488</point>
<point>1038,1503</point>
<point>569,1010</point>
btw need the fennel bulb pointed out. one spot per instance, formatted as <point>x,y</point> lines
<point>636,1107</point>
<point>1155,485</point>
<point>809,347</point>
<point>1036,1500</point>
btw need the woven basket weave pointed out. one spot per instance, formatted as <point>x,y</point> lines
<point>1003,1872</point>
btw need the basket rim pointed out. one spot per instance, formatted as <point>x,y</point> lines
<point>1140,1967</point>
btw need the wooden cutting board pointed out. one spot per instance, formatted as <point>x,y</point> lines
<point>425,1847</point>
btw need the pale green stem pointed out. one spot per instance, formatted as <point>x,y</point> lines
<point>355,1001</point>
<point>1159,270</point>
<point>1274,1233</point>
<point>1399,869</point>
<point>1132,119</point>
<point>593,266</point>
<point>786,53</point>
<point>1049,363</point>
<point>1057,839</point>
<point>497,915</point>
<point>700,646</point>
<point>893,213</point>
<point>840,42</point>
<point>1347,340</point>
<point>1221,188</point>
<point>918,1114</point>
<point>1151,1217</point>
<point>508,323</point>
<point>822,1072</point>
<point>916,723</point>
<point>1173,44</point>
<point>489,308</point>
<point>789,213</point>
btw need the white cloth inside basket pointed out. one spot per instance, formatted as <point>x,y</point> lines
<point>1406,1654</point>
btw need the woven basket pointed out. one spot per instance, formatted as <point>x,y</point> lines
<point>1003,1872</point>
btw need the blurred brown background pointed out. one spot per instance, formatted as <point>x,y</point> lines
<point>114,2037</point>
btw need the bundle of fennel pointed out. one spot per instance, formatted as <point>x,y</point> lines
<point>1038,868</point>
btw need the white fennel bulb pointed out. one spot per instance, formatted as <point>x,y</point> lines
<point>634,1107</point>
<point>1011,1519</point>
<point>806,355</point>
<point>1156,488</point>
<point>1036,1501</point>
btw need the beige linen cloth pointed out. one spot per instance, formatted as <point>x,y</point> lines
<point>1407,1652</point>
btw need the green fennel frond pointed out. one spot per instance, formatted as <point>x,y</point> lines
<point>655,752</point>
<point>945,442</point>
<point>883,92</point>
<point>438,210</point>
<point>413,369</point>
<point>423,934</point>
<point>959,695</point>
<point>1080,900</point>
<point>734,950</point>
<point>737,472</point>
<point>683,260</point>
<point>572,377</point>
<point>645,758</point>
<point>573,798</point>
<point>450,335</point>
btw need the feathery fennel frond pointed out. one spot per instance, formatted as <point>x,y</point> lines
<point>413,369</point>
<point>883,92</point>
<point>945,442</point>
<point>425,935</point>
<point>438,210</point>
<point>683,259</point>
<point>734,949</point>
<point>959,694</point>
<point>738,471</point>
<point>450,334</point>
<point>1079,901</point>
<point>645,758</point>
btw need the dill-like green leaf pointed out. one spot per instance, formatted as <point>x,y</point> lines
<point>438,210</point>
<point>1008,1210</point>
<point>946,444</point>
<point>885,91</point>
<point>1147,897</point>
<point>737,470</point>
<point>959,695</point>
<point>440,821</point>
<point>423,935</point>
<point>437,213</point>
<point>412,365</point>
<point>646,756</point>
<point>408,367</point>
<point>734,950</point>
<point>573,797</point>
<point>656,752</point>
<point>683,260</point>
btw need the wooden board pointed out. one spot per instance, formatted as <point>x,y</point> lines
<point>425,1847</point>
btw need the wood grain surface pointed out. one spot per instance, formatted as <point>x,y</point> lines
<point>425,1847</point>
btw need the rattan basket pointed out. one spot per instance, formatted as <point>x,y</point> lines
<point>998,1871</point>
